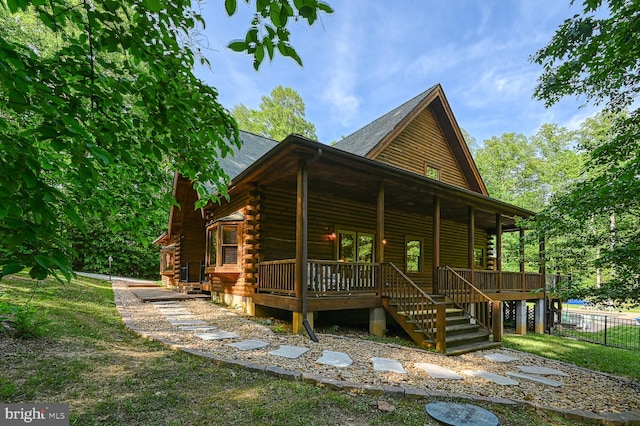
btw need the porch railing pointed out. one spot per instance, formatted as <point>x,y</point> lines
<point>489,281</point>
<point>417,306</point>
<point>324,277</point>
<point>468,297</point>
<point>277,276</point>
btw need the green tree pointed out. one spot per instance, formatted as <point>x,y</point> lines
<point>112,97</point>
<point>509,168</point>
<point>279,115</point>
<point>528,172</point>
<point>594,55</point>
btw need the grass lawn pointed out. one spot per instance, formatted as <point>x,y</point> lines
<point>619,362</point>
<point>110,376</point>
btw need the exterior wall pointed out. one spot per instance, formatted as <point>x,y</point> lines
<point>278,227</point>
<point>422,142</point>
<point>277,231</point>
<point>191,248</point>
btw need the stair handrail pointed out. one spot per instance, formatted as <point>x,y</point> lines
<point>470,296</point>
<point>407,301</point>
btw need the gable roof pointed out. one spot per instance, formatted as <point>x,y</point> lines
<point>362,141</point>
<point>373,138</point>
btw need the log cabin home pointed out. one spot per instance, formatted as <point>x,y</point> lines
<point>393,223</point>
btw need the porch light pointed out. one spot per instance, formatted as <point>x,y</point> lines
<point>384,242</point>
<point>332,235</point>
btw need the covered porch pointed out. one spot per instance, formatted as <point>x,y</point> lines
<point>311,203</point>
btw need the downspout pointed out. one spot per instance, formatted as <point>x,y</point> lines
<point>305,243</point>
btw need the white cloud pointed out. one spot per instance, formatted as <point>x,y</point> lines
<point>341,71</point>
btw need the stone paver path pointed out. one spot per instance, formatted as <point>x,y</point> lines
<point>335,359</point>
<point>249,345</point>
<point>498,357</point>
<point>287,351</point>
<point>537,379</point>
<point>187,330</point>
<point>386,364</point>
<point>543,371</point>
<point>218,335</point>
<point>492,377</point>
<point>437,372</point>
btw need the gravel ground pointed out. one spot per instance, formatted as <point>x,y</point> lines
<point>583,389</point>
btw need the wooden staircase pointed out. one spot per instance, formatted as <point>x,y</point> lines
<point>432,320</point>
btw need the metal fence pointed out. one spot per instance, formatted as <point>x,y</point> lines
<point>600,329</point>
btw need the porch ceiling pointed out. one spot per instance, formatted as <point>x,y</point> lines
<point>337,174</point>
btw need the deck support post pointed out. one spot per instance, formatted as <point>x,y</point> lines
<point>377,322</point>
<point>521,317</point>
<point>298,322</point>
<point>441,328</point>
<point>499,249</point>
<point>497,320</point>
<point>522,271</point>
<point>380,237</point>
<point>539,316</point>
<point>436,243</point>
<point>472,242</point>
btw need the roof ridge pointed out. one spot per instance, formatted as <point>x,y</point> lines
<point>363,140</point>
<point>260,136</point>
<point>396,108</point>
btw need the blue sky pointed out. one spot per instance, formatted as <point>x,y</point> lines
<point>371,56</point>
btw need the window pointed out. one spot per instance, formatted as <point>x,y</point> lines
<point>355,246</point>
<point>365,247</point>
<point>223,246</point>
<point>229,245</point>
<point>414,255</point>
<point>167,259</point>
<point>478,257</point>
<point>212,246</point>
<point>432,172</point>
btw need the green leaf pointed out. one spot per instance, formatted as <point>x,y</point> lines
<point>238,46</point>
<point>153,5</point>
<point>325,7</point>
<point>261,5</point>
<point>275,14</point>
<point>230,6</point>
<point>42,260</point>
<point>11,268</point>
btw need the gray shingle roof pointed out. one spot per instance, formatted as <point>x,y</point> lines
<point>364,140</point>
<point>253,147</point>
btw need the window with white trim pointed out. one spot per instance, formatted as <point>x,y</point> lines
<point>224,245</point>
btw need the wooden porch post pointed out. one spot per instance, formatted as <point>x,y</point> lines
<point>499,249</point>
<point>301,245</point>
<point>436,243</point>
<point>543,272</point>
<point>497,320</point>
<point>522,271</point>
<point>380,235</point>
<point>543,260</point>
<point>472,242</point>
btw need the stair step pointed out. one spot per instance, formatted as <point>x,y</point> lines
<point>471,347</point>
<point>462,339</point>
<point>458,320</point>
<point>449,311</point>
<point>454,330</point>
